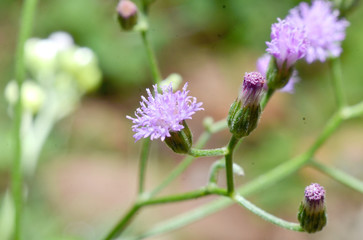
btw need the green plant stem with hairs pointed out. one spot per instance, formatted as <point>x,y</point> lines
<point>26,25</point>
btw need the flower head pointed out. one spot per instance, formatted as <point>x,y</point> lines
<point>252,88</point>
<point>324,30</point>
<point>288,43</point>
<point>312,212</point>
<point>262,66</point>
<point>245,111</point>
<point>314,193</point>
<point>163,113</point>
<point>127,14</point>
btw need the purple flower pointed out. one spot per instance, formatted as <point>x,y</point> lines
<point>324,30</point>
<point>314,192</point>
<point>312,211</point>
<point>163,113</point>
<point>245,111</point>
<point>288,43</point>
<point>262,66</point>
<point>252,88</point>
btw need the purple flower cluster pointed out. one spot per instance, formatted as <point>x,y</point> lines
<point>163,113</point>
<point>314,32</point>
<point>288,43</point>
<point>262,66</point>
<point>252,88</point>
<point>324,30</point>
<point>314,192</point>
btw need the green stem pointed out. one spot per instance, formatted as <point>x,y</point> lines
<point>123,223</point>
<point>204,137</point>
<point>353,111</point>
<point>143,161</point>
<point>151,57</point>
<point>267,97</point>
<point>340,176</point>
<point>213,172</point>
<point>182,166</point>
<point>267,216</point>
<point>229,164</point>
<point>208,152</point>
<point>185,196</point>
<point>24,33</point>
<point>337,82</point>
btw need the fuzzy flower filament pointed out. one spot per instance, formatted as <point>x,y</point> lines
<point>288,43</point>
<point>324,30</point>
<point>164,113</point>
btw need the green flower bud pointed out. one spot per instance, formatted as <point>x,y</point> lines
<point>245,112</point>
<point>312,211</point>
<point>32,95</point>
<point>180,141</point>
<point>127,14</point>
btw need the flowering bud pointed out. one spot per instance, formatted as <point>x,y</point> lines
<point>127,14</point>
<point>245,112</point>
<point>180,141</point>
<point>312,211</point>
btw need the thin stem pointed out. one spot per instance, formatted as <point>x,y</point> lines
<point>182,166</point>
<point>151,57</point>
<point>208,152</point>
<point>229,164</point>
<point>336,70</point>
<point>353,111</point>
<point>143,161</point>
<point>339,176</point>
<point>213,172</point>
<point>118,229</point>
<point>123,223</point>
<point>185,196</point>
<point>267,97</point>
<point>17,178</point>
<point>267,216</point>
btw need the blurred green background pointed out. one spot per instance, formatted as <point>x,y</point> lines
<point>87,175</point>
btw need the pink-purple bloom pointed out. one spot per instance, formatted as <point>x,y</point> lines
<point>288,43</point>
<point>262,65</point>
<point>324,30</point>
<point>163,113</point>
<point>314,192</point>
<point>252,88</point>
<point>312,211</point>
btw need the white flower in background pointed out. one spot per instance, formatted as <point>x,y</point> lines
<point>32,95</point>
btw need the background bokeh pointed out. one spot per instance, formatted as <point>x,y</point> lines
<point>87,175</point>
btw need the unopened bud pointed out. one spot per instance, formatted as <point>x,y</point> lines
<point>244,113</point>
<point>180,141</point>
<point>174,79</point>
<point>127,14</point>
<point>32,95</point>
<point>312,211</point>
